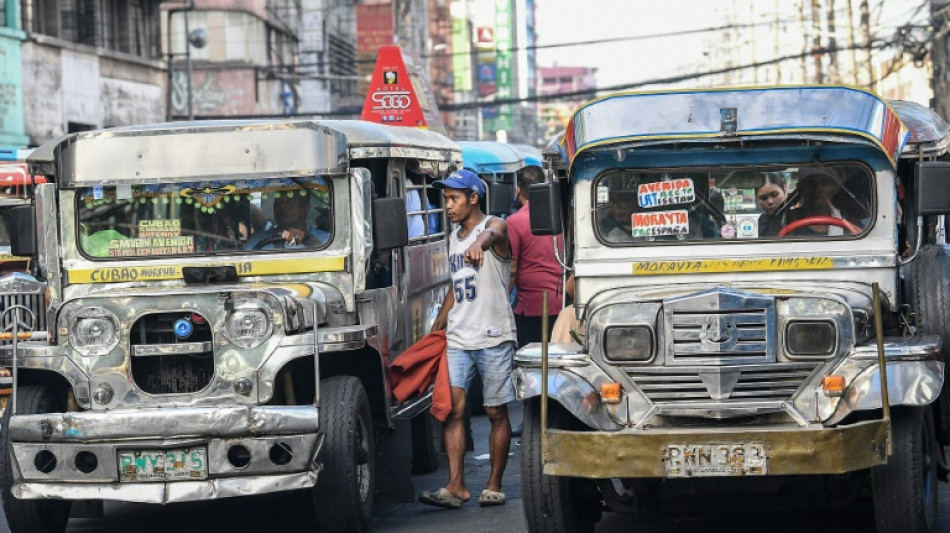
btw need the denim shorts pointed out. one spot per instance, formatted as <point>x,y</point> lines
<point>494,364</point>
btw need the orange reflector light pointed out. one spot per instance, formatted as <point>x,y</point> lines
<point>610,392</point>
<point>5,373</point>
<point>833,386</point>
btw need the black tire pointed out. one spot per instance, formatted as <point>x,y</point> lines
<point>29,516</point>
<point>931,278</point>
<point>905,489</point>
<point>426,443</point>
<point>343,495</point>
<point>552,504</point>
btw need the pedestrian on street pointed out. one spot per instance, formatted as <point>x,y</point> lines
<point>480,332</point>
<point>534,266</point>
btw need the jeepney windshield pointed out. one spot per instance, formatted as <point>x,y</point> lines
<point>747,203</point>
<point>208,217</point>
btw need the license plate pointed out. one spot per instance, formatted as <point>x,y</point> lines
<point>163,465</point>
<point>711,460</point>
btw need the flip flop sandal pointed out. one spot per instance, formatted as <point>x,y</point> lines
<point>440,497</point>
<point>491,497</point>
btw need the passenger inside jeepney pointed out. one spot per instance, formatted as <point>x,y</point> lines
<point>770,196</point>
<point>616,224</point>
<point>824,192</point>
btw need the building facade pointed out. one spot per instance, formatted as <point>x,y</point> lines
<point>12,127</point>
<point>90,64</point>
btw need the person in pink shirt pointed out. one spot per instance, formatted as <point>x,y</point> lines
<point>534,267</point>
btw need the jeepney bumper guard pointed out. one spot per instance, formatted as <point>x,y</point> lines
<point>245,450</point>
<point>644,453</point>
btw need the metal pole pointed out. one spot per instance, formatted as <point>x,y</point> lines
<point>16,334</point>
<point>191,111</point>
<point>544,378</point>
<point>882,365</point>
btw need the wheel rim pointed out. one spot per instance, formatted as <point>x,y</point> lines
<point>362,459</point>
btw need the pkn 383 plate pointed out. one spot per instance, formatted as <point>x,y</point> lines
<point>712,460</point>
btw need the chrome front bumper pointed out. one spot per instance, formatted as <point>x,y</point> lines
<point>105,434</point>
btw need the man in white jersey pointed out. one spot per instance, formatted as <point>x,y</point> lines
<point>480,332</point>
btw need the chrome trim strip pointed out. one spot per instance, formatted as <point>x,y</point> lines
<point>163,349</point>
<point>210,422</point>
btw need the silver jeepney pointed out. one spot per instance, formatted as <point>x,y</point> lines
<point>196,349</point>
<point>711,347</point>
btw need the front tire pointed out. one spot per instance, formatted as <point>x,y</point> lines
<point>343,495</point>
<point>29,516</point>
<point>905,489</point>
<point>552,504</point>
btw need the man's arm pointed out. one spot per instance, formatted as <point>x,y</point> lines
<point>514,238</point>
<point>442,320</point>
<point>495,236</point>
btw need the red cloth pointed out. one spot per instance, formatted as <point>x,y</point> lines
<point>423,364</point>
<point>538,269</point>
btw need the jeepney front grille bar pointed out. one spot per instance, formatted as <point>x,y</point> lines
<point>774,382</point>
<point>33,302</point>
<point>720,337</point>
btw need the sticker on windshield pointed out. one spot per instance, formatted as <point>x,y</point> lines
<point>660,223</point>
<point>748,227</point>
<point>727,231</point>
<point>150,246</point>
<point>159,228</point>
<point>661,193</point>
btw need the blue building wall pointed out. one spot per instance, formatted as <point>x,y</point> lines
<point>12,125</point>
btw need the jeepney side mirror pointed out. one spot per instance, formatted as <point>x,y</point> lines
<point>21,220</point>
<point>545,201</point>
<point>501,196</point>
<point>390,223</point>
<point>932,188</point>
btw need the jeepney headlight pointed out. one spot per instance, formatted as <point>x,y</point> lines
<point>629,343</point>
<point>94,331</point>
<point>816,338</point>
<point>248,325</point>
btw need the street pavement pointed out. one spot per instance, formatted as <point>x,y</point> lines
<point>293,513</point>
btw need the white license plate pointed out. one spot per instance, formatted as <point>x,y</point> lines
<point>711,460</point>
<point>163,465</point>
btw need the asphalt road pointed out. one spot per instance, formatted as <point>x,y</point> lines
<point>292,513</point>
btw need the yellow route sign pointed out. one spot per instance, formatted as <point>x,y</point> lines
<point>244,268</point>
<point>703,266</point>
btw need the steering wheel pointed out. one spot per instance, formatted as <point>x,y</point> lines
<point>273,239</point>
<point>819,221</point>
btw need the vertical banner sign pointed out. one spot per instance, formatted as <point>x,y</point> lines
<point>461,61</point>
<point>374,29</point>
<point>399,93</point>
<point>504,71</point>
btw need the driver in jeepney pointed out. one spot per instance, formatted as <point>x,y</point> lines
<point>616,225</point>
<point>292,229</point>
<point>822,192</point>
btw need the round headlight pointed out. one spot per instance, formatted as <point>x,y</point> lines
<point>815,338</point>
<point>94,331</point>
<point>629,343</point>
<point>248,326</point>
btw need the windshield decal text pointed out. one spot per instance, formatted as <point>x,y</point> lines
<point>660,223</point>
<point>661,193</point>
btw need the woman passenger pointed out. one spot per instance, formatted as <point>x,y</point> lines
<point>770,197</point>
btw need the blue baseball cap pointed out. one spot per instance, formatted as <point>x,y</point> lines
<point>462,179</point>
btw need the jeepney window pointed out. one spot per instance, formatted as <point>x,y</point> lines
<point>200,218</point>
<point>424,206</point>
<point>801,202</point>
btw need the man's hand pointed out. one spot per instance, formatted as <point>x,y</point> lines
<point>293,236</point>
<point>475,256</point>
<point>438,324</point>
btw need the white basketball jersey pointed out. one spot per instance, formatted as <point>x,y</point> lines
<point>482,315</point>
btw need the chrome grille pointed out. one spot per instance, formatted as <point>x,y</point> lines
<point>720,327</point>
<point>33,302</point>
<point>158,367</point>
<point>742,335</point>
<point>774,382</point>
